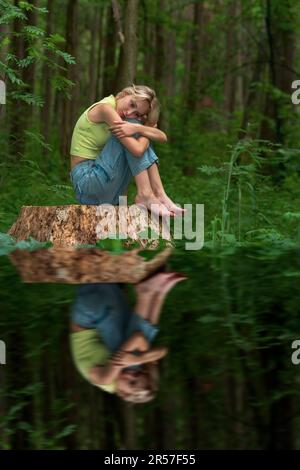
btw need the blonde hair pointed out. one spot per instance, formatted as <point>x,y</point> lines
<point>149,393</point>
<point>145,93</point>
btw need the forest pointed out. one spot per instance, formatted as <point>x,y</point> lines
<point>225,73</point>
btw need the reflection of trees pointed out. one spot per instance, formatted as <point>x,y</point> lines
<point>227,383</point>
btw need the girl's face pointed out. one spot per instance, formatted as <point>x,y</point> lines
<point>130,107</point>
<point>132,381</point>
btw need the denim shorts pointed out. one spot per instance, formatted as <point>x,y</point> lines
<point>105,308</point>
<point>103,180</point>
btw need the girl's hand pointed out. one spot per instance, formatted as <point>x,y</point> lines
<point>124,359</point>
<point>124,129</point>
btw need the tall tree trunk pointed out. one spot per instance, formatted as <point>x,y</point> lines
<point>240,41</point>
<point>171,58</point>
<point>231,60</point>
<point>196,49</point>
<point>148,36</point>
<point>109,54</point>
<point>29,72</point>
<point>100,54</point>
<point>69,108</point>
<point>4,32</point>
<point>46,111</point>
<point>18,382</point>
<point>94,22</point>
<point>4,439</point>
<point>130,434</point>
<point>281,46</point>
<point>188,15</point>
<point>17,113</point>
<point>251,98</point>
<point>160,46</point>
<point>128,53</point>
<point>167,415</point>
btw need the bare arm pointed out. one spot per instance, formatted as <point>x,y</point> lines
<point>123,129</point>
<point>153,355</point>
<point>126,359</point>
<point>103,375</point>
<point>152,133</point>
<point>107,114</point>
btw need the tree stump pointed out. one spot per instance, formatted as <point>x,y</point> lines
<point>68,227</point>
<point>76,225</point>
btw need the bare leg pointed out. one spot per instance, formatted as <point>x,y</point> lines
<point>151,294</point>
<point>159,192</point>
<point>159,298</point>
<point>146,197</point>
<point>143,304</point>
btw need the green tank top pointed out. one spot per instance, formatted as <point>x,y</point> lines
<point>89,351</point>
<point>90,137</point>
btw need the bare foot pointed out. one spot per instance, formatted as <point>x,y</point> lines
<point>170,283</point>
<point>153,204</point>
<point>170,205</point>
<point>160,283</point>
<point>153,284</point>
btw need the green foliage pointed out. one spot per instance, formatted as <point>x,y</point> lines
<point>9,12</point>
<point>9,244</point>
<point>36,44</point>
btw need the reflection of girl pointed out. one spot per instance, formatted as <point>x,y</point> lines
<point>102,323</point>
<point>102,165</point>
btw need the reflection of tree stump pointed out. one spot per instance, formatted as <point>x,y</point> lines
<point>84,265</point>
<point>78,224</point>
<point>67,227</point>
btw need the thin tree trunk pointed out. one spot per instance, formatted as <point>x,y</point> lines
<point>4,32</point>
<point>4,439</point>
<point>128,53</point>
<point>231,56</point>
<point>129,419</point>
<point>149,46</point>
<point>46,111</point>
<point>252,92</point>
<point>187,57</point>
<point>109,54</point>
<point>94,21</point>
<point>17,117</point>
<point>69,108</point>
<point>196,49</point>
<point>240,41</point>
<point>160,45</point>
<point>100,55</point>
<point>170,79</point>
<point>281,52</point>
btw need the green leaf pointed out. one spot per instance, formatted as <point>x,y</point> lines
<point>7,244</point>
<point>31,244</point>
<point>210,170</point>
<point>39,138</point>
<point>29,98</point>
<point>33,31</point>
